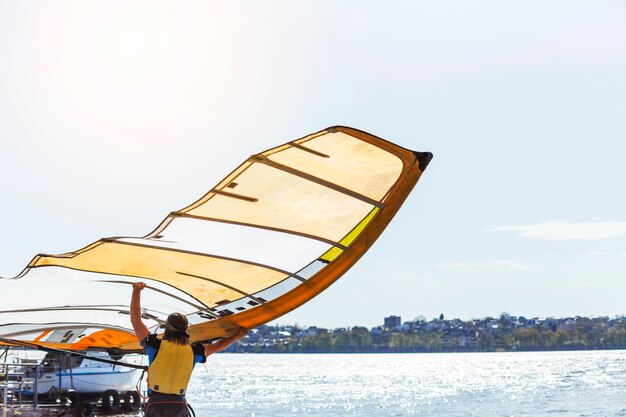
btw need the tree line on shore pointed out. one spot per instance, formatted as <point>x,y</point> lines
<point>506,333</point>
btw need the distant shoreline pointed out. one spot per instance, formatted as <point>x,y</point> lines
<point>241,351</point>
<point>503,334</point>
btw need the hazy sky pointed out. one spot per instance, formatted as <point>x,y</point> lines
<point>113,114</point>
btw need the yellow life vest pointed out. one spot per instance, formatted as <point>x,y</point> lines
<point>171,369</point>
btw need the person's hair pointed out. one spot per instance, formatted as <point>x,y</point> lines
<point>175,327</point>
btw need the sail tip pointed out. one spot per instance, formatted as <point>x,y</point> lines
<point>423,158</point>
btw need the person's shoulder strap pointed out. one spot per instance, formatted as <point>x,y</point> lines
<point>198,353</point>
<point>198,349</point>
<point>151,341</point>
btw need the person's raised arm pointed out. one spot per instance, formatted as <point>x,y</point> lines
<point>211,348</point>
<point>141,330</point>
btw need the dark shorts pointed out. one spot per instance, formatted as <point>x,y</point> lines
<point>166,405</point>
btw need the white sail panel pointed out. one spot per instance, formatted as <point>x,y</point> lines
<point>278,250</point>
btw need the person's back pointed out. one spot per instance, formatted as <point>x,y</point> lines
<point>171,368</point>
<point>171,359</point>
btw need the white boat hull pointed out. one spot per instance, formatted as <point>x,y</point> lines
<point>89,381</point>
<point>84,375</point>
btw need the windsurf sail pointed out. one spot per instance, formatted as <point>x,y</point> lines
<point>273,234</point>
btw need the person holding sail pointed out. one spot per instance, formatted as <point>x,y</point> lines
<point>171,359</point>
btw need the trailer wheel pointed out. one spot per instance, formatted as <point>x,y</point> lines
<point>111,400</point>
<point>132,401</point>
<point>85,409</point>
<point>72,395</point>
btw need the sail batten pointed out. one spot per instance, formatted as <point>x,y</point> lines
<point>264,160</point>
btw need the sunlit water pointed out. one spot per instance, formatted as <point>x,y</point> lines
<point>455,384</point>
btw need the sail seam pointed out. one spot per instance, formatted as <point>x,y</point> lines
<point>236,196</point>
<point>313,151</point>
<point>230,287</point>
<point>266,161</point>
<point>208,255</point>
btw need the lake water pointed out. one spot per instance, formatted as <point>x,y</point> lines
<point>454,384</point>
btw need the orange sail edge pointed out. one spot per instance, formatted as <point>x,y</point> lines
<point>101,340</point>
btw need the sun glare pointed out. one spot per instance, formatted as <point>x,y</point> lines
<point>111,72</point>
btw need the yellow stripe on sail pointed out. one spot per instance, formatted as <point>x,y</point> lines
<point>334,252</point>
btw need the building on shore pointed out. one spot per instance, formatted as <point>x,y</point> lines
<point>392,322</point>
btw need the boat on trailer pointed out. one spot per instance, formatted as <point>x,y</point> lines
<point>83,374</point>
<point>86,382</point>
